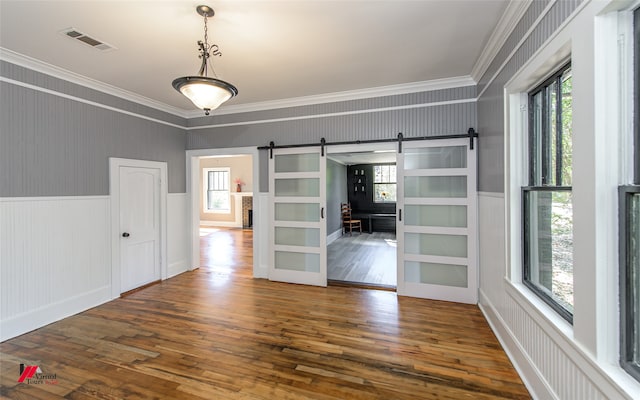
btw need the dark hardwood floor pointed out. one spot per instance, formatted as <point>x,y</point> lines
<point>217,333</point>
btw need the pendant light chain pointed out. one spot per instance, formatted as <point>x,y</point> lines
<point>210,50</point>
<point>206,33</point>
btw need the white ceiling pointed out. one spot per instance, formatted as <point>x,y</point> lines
<point>272,50</point>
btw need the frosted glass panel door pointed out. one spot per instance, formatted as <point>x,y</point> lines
<point>437,221</point>
<point>298,226</point>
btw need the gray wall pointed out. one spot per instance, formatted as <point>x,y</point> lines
<point>54,146</point>
<point>362,124</point>
<point>366,119</point>
<point>28,76</point>
<point>491,101</point>
<point>336,194</point>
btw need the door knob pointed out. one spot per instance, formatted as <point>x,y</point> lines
<point>126,234</point>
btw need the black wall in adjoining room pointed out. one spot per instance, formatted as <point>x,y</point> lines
<point>362,201</point>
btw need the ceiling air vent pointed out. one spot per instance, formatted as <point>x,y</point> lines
<point>73,33</point>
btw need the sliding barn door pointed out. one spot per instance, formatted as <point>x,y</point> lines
<point>297,206</point>
<point>437,220</point>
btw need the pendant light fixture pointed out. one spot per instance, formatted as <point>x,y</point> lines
<point>205,92</point>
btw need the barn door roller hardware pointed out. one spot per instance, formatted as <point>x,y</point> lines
<point>471,134</point>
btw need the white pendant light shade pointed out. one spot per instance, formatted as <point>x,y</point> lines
<point>206,93</point>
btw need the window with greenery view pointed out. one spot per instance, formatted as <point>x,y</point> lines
<point>629,221</point>
<point>384,183</point>
<point>216,182</point>
<point>547,202</point>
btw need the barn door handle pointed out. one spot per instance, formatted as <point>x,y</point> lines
<point>322,212</point>
<point>126,234</point>
<point>400,214</point>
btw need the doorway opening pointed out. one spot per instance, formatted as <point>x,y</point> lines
<point>436,214</point>
<point>223,187</point>
<point>364,181</point>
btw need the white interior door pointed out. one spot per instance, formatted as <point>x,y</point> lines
<point>297,203</point>
<point>139,226</point>
<point>437,229</point>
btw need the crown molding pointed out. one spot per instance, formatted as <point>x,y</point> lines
<point>391,90</point>
<point>57,72</point>
<point>334,114</point>
<point>507,23</point>
<point>413,87</point>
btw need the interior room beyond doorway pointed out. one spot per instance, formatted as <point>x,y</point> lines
<point>226,197</point>
<point>366,182</point>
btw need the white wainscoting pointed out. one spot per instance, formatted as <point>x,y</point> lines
<point>55,259</point>
<point>177,234</point>
<point>549,361</point>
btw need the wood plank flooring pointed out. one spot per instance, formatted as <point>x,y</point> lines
<point>368,258</point>
<point>217,333</point>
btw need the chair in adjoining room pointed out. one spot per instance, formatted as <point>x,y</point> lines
<point>347,221</point>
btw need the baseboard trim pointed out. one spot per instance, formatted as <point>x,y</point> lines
<point>38,318</point>
<point>221,224</point>
<point>262,272</point>
<point>139,288</point>
<point>531,377</point>
<point>332,237</point>
<point>177,268</point>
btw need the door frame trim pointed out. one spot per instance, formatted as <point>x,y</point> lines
<point>114,193</point>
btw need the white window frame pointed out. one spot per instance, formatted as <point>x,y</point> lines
<point>550,58</point>
<point>630,180</point>
<point>205,188</point>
